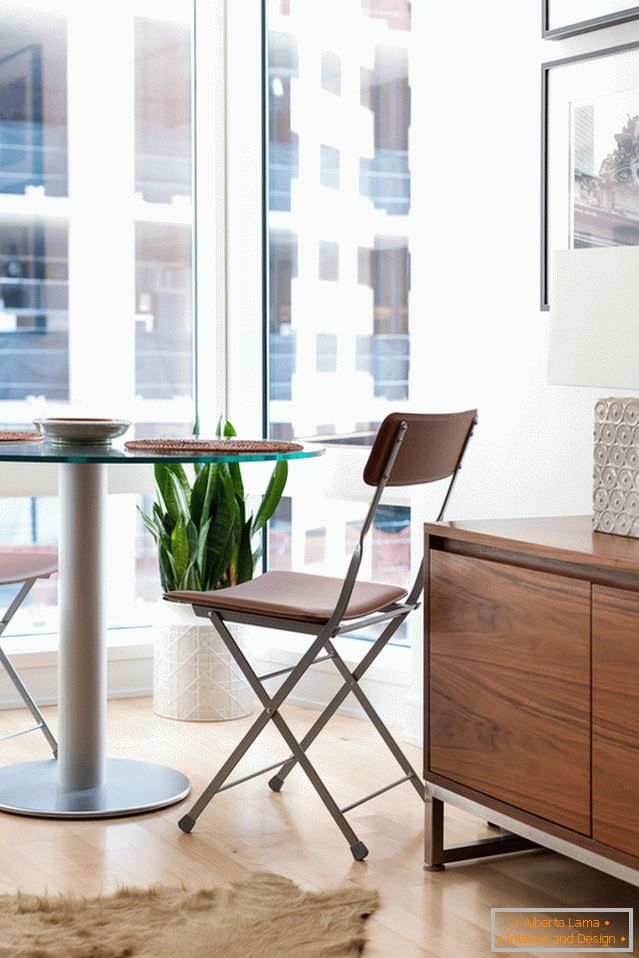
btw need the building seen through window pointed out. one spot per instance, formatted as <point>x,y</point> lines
<point>339,247</point>
<point>96,229</point>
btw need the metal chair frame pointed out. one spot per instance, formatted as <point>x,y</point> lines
<point>25,695</point>
<point>394,615</point>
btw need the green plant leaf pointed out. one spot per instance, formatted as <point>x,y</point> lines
<point>272,495</point>
<point>162,519</point>
<point>167,569</point>
<point>192,578</point>
<point>150,524</point>
<point>192,536</point>
<point>237,535</point>
<point>201,547</point>
<point>234,467</point>
<point>221,532</point>
<point>180,552</point>
<point>202,494</point>
<point>181,498</point>
<point>203,535</point>
<point>168,477</point>
<point>245,566</point>
<point>236,476</point>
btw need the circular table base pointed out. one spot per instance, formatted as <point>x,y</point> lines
<point>132,787</point>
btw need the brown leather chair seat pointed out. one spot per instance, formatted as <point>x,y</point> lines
<point>295,595</point>
<point>21,563</point>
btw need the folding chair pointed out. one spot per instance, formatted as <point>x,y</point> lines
<point>25,567</point>
<point>408,449</point>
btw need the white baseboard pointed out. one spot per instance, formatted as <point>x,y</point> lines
<point>130,674</point>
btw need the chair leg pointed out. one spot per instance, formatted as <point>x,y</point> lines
<point>276,782</point>
<point>351,680</point>
<point>188,821</point>
<point>358,848</point>
<point>386,736</point>
<point>29,702</point>
<point>271,705</point>
<point>13,675</point>
<point>270,713</point>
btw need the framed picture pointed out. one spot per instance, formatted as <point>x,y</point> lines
<point>566,18</point>
<point>20,119</point>
<point>589,153</point>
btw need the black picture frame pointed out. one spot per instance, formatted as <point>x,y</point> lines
<point>546,197</point>
<point>583,26</point>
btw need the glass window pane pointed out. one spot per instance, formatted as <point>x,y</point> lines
<point>163,327</point>
<point>362,138</point>
<point>132,571</point>
<point>331,72</point>
<point>34,308</point>
<point>33,104</point>
<point>329,261</point>
<point>338,253</point>
<point>95,211</point>
<point>329,166</point>
<point>162,110</point>
<point>96,233</point>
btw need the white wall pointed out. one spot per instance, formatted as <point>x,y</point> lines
<point>483,339</point>
<point>475,278</point>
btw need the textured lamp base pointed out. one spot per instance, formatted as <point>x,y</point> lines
<point>616,468</point>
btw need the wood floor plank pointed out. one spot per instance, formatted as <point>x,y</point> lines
<point>422,914</point>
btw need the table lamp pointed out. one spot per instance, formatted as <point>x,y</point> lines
<point>594,341</point>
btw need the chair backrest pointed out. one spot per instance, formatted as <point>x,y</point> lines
<point>431,449</point>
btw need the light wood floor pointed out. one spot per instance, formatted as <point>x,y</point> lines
<point>249,828</point>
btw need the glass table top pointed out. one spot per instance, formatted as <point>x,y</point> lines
<point>47,451</point>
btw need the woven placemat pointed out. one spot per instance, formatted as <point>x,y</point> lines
<point>229,446</point>
<point>21,437</point>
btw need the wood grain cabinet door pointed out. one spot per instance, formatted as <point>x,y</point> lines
<point>615,717</point>
<point>509,685</point>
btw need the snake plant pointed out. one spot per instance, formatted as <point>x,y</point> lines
<point>202,531</point>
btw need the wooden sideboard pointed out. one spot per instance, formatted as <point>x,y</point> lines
<point>532,688</point>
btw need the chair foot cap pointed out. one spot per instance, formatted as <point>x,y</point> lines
<point>186,823</point>
<point>359,851</point>
<point>434,868</point>
<point>275,784</point>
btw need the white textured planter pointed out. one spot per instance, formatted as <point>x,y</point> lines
<point>195,678</point>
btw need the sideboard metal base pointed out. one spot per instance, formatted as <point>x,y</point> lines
<point>437,855</point>
<point>525,837</point>
<point>32,788</point>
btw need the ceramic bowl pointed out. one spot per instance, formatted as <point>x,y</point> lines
<point>75,431</point>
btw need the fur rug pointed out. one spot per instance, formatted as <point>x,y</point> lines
<point>266,916</point>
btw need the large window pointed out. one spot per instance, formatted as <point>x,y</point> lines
<point>95,209</point>
<point>339,247</point>
<point>96,224</point>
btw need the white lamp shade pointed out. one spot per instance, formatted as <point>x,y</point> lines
<point>594,335</point>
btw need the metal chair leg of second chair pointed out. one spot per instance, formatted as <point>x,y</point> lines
<point>25,695</point>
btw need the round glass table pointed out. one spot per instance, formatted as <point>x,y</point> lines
<point>83,782</point>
